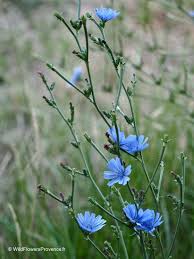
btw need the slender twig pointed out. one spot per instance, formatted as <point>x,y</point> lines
<point>134,156</point>
<point>183,158</point>
<point>89,75</point>
<point>175,233</point>
<point>132,195</point>
<point>78,9</point>
<point>160,180</point>
<point>54,69</point>
<point>120,86</point>
<point>87,62</point>
<point>143,245</point>
<point>72,188</point>
<point>107,244</point>
<point>120,235</point>
<point>160,243</point>
<point>86,164</point>
<point>77,142</point>
<point>152,252</point>
<point>96,247</point>
<point>117,220</point>
<point>119,195</point>
<point>118,140</point>
<point>106,211</point>
<point>132,112</point>
<point>157,166</point>
<point>46,191</point>
<point>73,169</point>
<point>70,207</point>
<point>95,147</point>
<point>185,12</point>
<point>148,179</point>
<point>181,183</point>
<point>60,18</point>
<point>123,242</point>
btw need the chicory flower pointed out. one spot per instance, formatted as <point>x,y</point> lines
<point>117,173</point>
<point>145,220</point>
<point>89,222</point>
<point>106,14</point>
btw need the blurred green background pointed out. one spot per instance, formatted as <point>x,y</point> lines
<point>158,40</point>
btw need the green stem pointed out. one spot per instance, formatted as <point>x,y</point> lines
<point>143,246</point>
<point>123,243</point>
<point>78,9</point>
<point>121,235</point>
<point>160,181</point>
<point>78,144</point>
<point>110,248</point>
<point>54,69</point>
<point>160,243</point>
<point>120,196</point>
<point>135,157</point>
<point>89,75</point>
<point>46,191</point>
<point>111,214</point>
<point>183,158</point>
<point>132,195</point>
<point>88,170</point>
<point>93,95</point>
<point>120,86</point>
<point>95,147</point>
<point>157,166</point>
<point>175,233</point>
<point>41,188</point>
<point>72,189</point>
<point>132,112</point>
<point>116,220</point>
<point>185,12</point>
<point>148,179</point>
<point>60,18</point>
<point>181,204</point>
<point>118,140</point>
<point>107,212</point>
<point>96,247</point>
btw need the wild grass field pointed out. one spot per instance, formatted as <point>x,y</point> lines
<point>157,40</point>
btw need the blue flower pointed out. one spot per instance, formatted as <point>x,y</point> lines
<point>132,144</point>
<point>76,76</point>
<point>106,14</point>
<point>89,222</point>
<point>132,212</point>
<point>146,220</point>
<point>191,13</point>
<point>117,172</point>
<point>113,135</point>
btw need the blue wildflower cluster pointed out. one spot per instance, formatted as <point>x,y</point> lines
<point>117,172</point>
<point>142,220</point>
<point>145,220</point>
<point>131,144</point>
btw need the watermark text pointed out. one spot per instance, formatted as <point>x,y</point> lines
<point>35,249</point>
